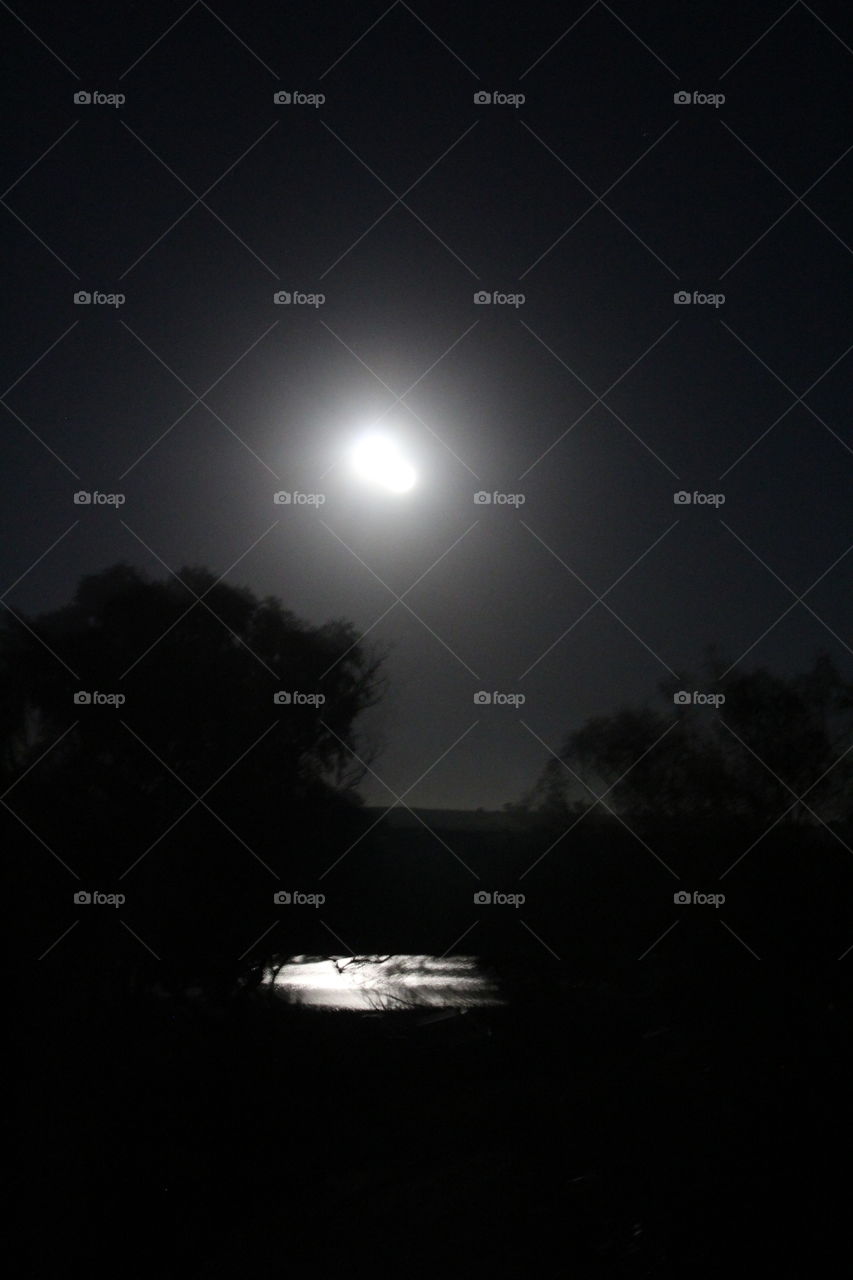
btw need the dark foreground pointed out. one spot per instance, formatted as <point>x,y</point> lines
<point>644,1124</point>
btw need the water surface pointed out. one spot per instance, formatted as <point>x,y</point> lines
<point>383,984</point>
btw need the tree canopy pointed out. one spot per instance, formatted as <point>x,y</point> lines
<point>777,748</point>
<point>230,766</point>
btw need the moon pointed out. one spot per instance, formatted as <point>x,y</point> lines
<point>378,459</point>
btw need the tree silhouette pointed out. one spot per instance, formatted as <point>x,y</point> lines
<point>201,776</point>
<point>778,748</point>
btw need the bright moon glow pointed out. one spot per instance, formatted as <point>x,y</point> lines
<point>378,459</point>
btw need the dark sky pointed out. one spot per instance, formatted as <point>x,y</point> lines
<point>398,199</point>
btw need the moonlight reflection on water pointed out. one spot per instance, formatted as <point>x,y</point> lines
<point>383,983</point>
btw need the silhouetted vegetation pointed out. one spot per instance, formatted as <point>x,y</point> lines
<point>198,792</point>
<point>774,751</point>
<point>155,1100</point>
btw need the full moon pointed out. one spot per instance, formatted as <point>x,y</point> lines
<point>379,460</point>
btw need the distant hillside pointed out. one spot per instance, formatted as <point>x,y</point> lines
<point>473,820</point>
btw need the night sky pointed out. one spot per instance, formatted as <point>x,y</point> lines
<point>398,198</point>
